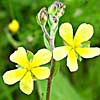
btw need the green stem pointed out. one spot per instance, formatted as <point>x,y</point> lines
<point>11,8</point>
<point>14,43</point>
<point>45,32</point>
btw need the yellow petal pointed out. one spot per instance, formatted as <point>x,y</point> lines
<point>26,84</point>
<point>66,32</point>
<point>13,76</point>
<point>60,52</point>
<point>72,61</point>
<point>83,33</point>
<point>20,57</point>
<point>88,52</point>
<point>41,72</point>
<point>43,56</point>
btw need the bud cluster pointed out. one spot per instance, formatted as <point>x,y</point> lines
<point>57,9</point>
<point>52,16</point>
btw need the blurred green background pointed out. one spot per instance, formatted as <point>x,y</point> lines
<point>81,85</point>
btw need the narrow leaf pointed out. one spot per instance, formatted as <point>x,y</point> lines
<point>56,68</point>
<point>85,44</point>
<point>30,55</point>
<point>47,45</point>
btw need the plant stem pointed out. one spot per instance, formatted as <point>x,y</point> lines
<point>52,68</point>
<point>13,42</point>
<point>11,9</point>
<point>45,32</point>
<point>51,40</point>
<point>50,80</point>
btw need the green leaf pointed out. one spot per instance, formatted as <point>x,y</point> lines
<point>79,57</point>
<point>30,55</point>
<point>47,45</point>
<point>7,91</point>
<point>85,44</point>
<point>63,90</point>
<point>3,14</point>
<point>42,88</point>
<point>56,68</point>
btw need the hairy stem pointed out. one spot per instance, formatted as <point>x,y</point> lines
<point>50,80</point>
<point>52,68</point>
<point>51,40</point>
<point>45,32</point>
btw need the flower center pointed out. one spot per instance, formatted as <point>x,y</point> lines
<point>29,66</point>
<point>73,47</point>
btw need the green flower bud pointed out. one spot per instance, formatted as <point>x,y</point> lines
<point>42,16</point>
<point>53,20</point>
<point>53,23</point>
<point>52,9</point>
<point>56,9</point>
<point>60,12</point>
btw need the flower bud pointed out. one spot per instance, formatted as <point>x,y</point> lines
<point>53,20</point>
<point>59,4</point>
<point>42,16</point>
<point>52,9</point>
<point>60,13</point>
<point>13,26</point>
<point>56,9</point>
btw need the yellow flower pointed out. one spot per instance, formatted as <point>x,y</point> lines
<point>13,26</point>
<point>29,70</point>
<point>73,47</point>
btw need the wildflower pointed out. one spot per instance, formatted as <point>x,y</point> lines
<point>75,48</point>
<point>29,70</point>
<point>13,26</point>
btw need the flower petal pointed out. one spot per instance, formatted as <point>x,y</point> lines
<point>13,76</point>
<point>20,57</point>
<point>84,33</point>
<point>66,32</point>
<point>88,52</point>
<point>72,61</point>
<point>60,52</point>
<point>41,72</point>
<point>43,56</point>
<point>26,84</point>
